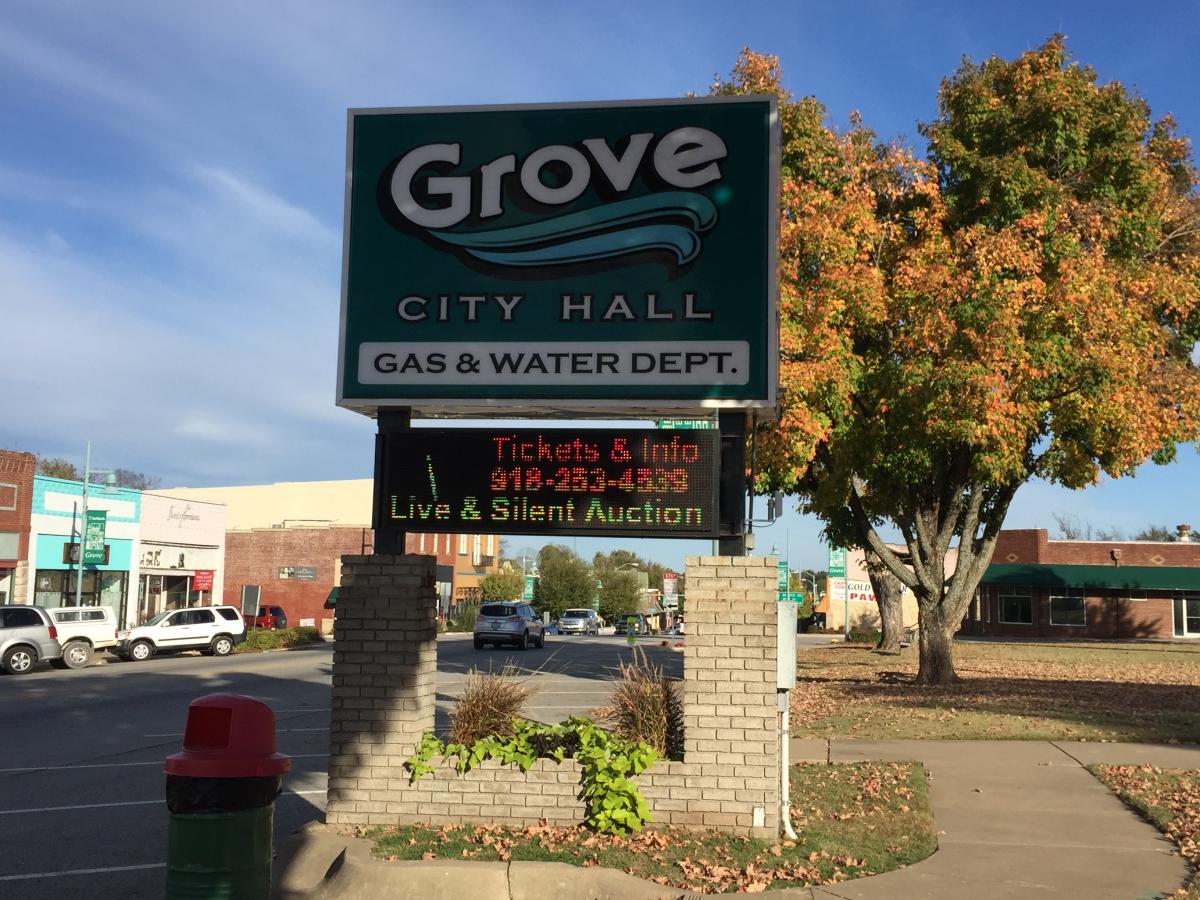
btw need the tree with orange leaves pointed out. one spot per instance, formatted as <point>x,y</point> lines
<point>1022,303</point>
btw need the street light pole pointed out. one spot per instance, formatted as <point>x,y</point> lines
<point>109,488</point>
<point>87,474</point>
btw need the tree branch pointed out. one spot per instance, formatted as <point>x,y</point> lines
<point>871,537</point>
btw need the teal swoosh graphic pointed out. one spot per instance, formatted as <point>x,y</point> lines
<point>683,242</point>
<point>576,237</point>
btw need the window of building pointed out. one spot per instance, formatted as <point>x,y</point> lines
<point>462,545</point>
<point>1068,607</point>
<point>477,550</point>
<point>421,543</point>
<point>491,551</point>
<point>56,587</point>
<point>1016,605</point>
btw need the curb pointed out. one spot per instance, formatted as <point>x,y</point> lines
<point>319,862</point>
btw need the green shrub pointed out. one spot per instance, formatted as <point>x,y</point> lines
<point>607,762</point>
<point>258,639</point>
<point>464,616</point>
<point>864,636</point>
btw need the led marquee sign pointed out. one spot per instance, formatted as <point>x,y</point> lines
<point>549,481</point>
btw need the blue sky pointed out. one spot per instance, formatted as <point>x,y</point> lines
<point>171,194</point>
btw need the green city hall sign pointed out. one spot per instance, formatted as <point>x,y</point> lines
<point>576,258</point>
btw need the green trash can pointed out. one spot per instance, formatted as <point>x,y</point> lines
<point>221,794</point>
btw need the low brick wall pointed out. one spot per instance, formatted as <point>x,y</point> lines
<point>727,780</point>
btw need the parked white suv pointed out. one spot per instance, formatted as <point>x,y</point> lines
<point>82,631</point>
<point>211,629</point>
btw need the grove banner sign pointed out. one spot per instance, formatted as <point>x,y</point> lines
<point>94,526</point>
<point>573,257</point>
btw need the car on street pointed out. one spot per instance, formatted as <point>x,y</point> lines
<point>638,622</point>
<point>215,630</point>
<point>270,617</point>
<point>579,621</point>
<point>27,636</point>
<point>81,632</point>
<point>509,623</point>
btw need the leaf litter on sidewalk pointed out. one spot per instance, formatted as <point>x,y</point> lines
<point>1167,798</point>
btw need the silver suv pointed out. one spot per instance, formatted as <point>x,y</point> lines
<point>26,636</point>
<point>509,623</point>
<point>579,621</point>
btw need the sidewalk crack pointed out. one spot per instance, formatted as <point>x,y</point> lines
<point>1070,756</point>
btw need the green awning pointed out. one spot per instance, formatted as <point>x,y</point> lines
<point>331,600</point>
<point>1153,578</point>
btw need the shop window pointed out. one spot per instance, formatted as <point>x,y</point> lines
<point>1068,607</point>
<point>1016,605</point>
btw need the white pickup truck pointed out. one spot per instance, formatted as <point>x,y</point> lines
<point>81,632</point>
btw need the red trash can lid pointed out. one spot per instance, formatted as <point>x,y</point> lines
<point>228,736</point>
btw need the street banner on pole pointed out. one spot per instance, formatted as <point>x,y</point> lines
<point>93,536</point>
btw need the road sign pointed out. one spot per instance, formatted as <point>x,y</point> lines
<point>783,580</point>
<point>93,536</point>
<point>837,562</point>
<point>792,597</point>
<point>579,257</point>
<point>550,481</point>
<point>527,595</point>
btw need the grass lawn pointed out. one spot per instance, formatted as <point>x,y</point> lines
<point>1167,798</point>
<point>852,820</point>
<point>1031,691</point>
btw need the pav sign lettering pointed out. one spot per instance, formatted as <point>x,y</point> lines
<point>576,256</point>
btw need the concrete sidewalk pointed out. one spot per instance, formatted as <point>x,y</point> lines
<point>1022,819</point>
<point>1016,819</point>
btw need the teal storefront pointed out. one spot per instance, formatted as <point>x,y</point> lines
<point>54,548</point>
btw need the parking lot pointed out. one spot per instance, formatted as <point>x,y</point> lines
<point>81,778</point>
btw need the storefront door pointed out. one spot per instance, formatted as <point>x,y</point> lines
<point>1187,615</point>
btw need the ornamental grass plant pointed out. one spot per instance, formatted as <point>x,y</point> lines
<point>646,706</point>
<point>487,706</point>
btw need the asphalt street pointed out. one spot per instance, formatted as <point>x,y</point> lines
<point>81,752</point>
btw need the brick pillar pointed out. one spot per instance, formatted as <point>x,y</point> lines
<point>729,693</point>
<point>384,679</point>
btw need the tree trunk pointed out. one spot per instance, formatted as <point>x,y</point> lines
<point>936,637</point>
<point>888,592</point>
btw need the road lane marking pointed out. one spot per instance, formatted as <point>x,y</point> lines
<point>45,809</point>
<point>67,872</point>
<point>156,762</point>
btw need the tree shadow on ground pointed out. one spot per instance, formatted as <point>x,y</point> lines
<point>1127,711</point>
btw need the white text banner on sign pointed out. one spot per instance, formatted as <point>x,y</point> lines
<point>554,362</point>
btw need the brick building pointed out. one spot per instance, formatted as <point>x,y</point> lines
<point>16,498</point>
<point>287,540</point>
<point>1037,587</point>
